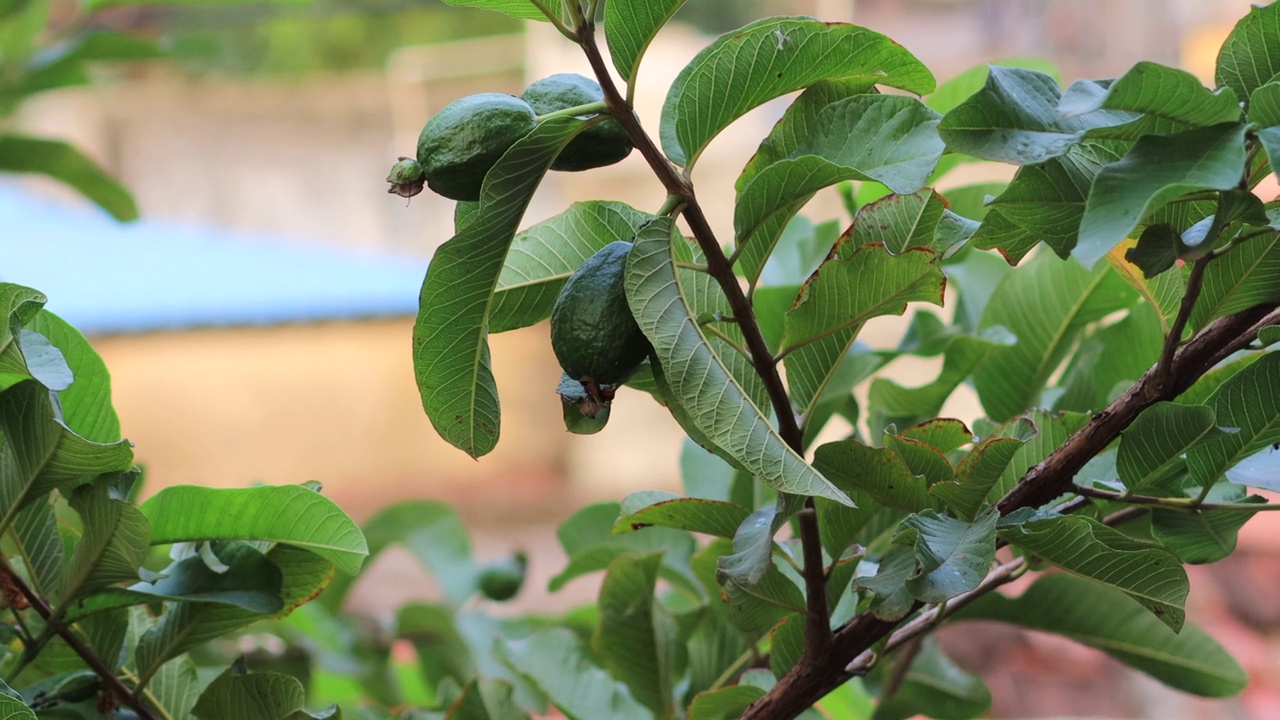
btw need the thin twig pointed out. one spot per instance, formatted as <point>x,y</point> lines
<point>1195,280</point>
<point>108,676</point>
<point>1184,504</point>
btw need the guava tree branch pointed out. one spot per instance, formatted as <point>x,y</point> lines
<point>110,680</point>
<point>805,683</point>
<point>818,629</point>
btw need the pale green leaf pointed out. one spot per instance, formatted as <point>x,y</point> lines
<point>1045,304</point>
<point>114,542</point>
<point>554,661</point>
<point>769,58</point>
<point>845,293</point>
<point>1113,356</point>
<point>174,689</point>
<point>588,541</point>
<point>1203,536</point>
<point>520,9</point>
<point>289,514</point>
<point>726,703</point>
<point>1158,100</point>
<point>652,507</point>
<point>1104,618</point>
<point>1083,546</point>
<point>716,403</point>
<point>1250,56</point>
<point>1157,170</point>
<point>629,27</point>
<point>450,340</point>
<point>952,556</point>
<point>544,255</point>
<point>483,698</point>
<point>878,472</point>
<point>86,405</point>
<point>39,545</point>
<point>250,696</point>
<point>1249,406</point>
<point>636,638</point>
<point>66,164</point>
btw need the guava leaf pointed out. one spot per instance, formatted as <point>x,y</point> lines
<point>18,306</point>
<point>1082,546</point>
<point>1204,536</point>
<point>1250,56</point>
<point>900,222</point>
<point>1160,100</point>
<point>39,545</point>
<point>41,454</point>
<point>951,556</point>
<point>781,143</point>
<point>544,255</point>
<point>885,138</point>
<point>520,9</point>
<point>1156,170</point>
<point>1045,305</point>
<point>982,468</point>
<point>714,645</point>
<point>289,514</point>
<point>757,607</point>
<point>588,540</point>
<point>1014,118</point>
<point>716,403</point>
<point>483,698</point>
<point>183,626</point>
<point>878,472</point>
<point>450,337</point>
<point>555,662</point>
<point>636,639</point>
<point>175,688</point>
<point>63,162</point>
<point>726,703</point>
<point>629,27</point>
<point>251,696</point>
<point>934,686</point>
<point>843,294</point>
<point>753,546</point>
<point>86,405</point>
<point>1248,275</point>
<point>769,58</point>
<point>1247,403</point>
<point>12,707</point>
<point>1103,618</point>
<point>897,404</point>
<point>653,507</point>
<point>1045,202</point>
<point>1108,357</point>
<point>1154,446</point>
<point>114,542</point>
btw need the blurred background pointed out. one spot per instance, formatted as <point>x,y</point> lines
<point>256,321</point>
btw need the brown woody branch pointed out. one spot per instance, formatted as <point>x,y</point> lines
<point>121,692</point>
<point>817,629</point>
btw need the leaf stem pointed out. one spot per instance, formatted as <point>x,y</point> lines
<point>1184,504</point>
<point>555,20</point>
<point>117,687</point>
<point>734,668</point>
<point>592,108</point>
<point>708,327</point>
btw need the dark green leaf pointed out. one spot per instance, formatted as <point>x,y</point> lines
<point>758,607</point>
<point>723,704</point>
<point>1157,170</point>
<point>1014,118</point>
<point>1248,275</point>
<point>885,138</point>
<point>290,514</point>
<point>1153,447</point>
<point>450,342</point>
<point>1045,202</point>
<point>114,542</point>
<point>1203,536</point>
<point>1111,357</point>
<point>769,58</point>
<point>39,545</point>
<point>951,556</point>
<point>716,403</point>
<point>1082,546</point>
<point>588,542</point>
<point>485,699</point>
<point>63,162</point>
<point>1104,618</point>
<point>982,469</point>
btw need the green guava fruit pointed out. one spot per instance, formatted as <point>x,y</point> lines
<point>459,146</point>
<point>502,580</point>
<point>593,333</point>
<point>604,143</point>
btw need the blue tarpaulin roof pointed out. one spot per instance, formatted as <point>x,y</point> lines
<point>107,277</point>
